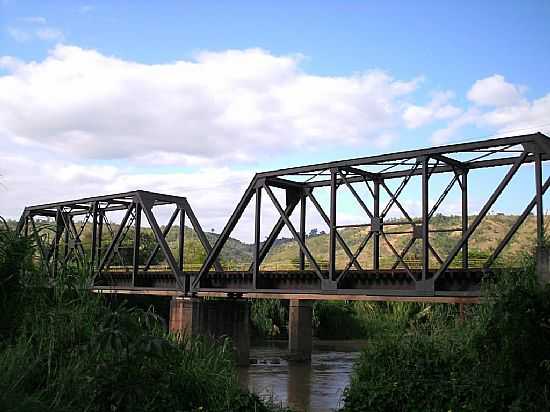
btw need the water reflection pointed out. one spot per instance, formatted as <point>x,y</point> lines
<point>304,387</point>
<point>299,386</point>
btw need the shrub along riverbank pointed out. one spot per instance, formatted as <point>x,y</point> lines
<point>65,349</point>
<point>499,359</point>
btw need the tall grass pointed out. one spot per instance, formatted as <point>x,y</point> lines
<point>64,349</point>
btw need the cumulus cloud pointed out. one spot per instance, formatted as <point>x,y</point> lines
<point>220,105</point>
<point>213,193</point>
<point>438,108</point>
<point>500,107</point>
<point>495,91</point>
<point>34,27</point>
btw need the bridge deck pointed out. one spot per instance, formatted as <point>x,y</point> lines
<point>455,286</point>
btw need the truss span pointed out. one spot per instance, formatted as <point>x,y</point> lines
<point>377,184</point>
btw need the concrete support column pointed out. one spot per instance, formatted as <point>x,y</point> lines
<point>300,330</point>
<point>215,319</point>
<point>184,315</point>
<point>543,265</point>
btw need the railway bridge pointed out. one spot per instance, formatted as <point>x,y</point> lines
<point>106,236</point>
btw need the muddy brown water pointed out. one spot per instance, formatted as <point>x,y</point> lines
<point>316,387</point>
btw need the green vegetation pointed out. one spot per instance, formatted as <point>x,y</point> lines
<point>485,239</point>
<point>499,359</point>
<point>269,317</point>
<point>238,254</point>
<point>65,349</point>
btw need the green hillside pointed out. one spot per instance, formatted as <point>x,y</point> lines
<point>284,254</point>
<point>482,243</point>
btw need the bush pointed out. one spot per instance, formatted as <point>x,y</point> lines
<point>336,320</point>
<point>498,360</point>
<point>269,317</point>
<point>67,350</point>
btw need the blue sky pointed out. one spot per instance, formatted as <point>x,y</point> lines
<point>252,86</point>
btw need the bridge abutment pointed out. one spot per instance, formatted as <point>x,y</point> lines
<point>300,330</point>
<point>214,319</point>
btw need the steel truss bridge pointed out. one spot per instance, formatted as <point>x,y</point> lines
<point>449,277</point>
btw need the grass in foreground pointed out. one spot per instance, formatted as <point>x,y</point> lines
<point>65,349</point>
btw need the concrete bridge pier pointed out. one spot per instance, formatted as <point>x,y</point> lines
<point>214,319</point>
<point>300,330</point>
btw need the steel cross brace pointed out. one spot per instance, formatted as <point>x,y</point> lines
<point>492,199</point>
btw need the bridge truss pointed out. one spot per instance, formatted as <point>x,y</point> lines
<point>375,183</point>
<point>438,275</point>
<point>59,238</point>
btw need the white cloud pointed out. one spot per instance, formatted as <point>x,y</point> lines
<point>437,109</point>
<point>495,91</point>
<point>213,193</point>
<point>49,33</point>
<point>510,112</point>
<point>235,104</point>
<point>44,33</point>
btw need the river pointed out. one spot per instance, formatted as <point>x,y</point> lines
<point>316,387</point>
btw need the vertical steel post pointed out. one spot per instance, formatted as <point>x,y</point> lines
<point>425,219</point>
<point>464,189</point>
<point>540,209</point>
<point>181,240</point>
<point>332,234</point>
<point>137,238</point>
<point>301,255</point>
<point>93,251</point>
<point>65,238</point>
<point>257,237</point>
<point>58,227</point>
<point>101,215</point>
<point>376,235</point>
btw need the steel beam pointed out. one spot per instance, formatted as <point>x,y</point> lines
<point>339,237</point>
<point>165,232</point>
<point>464,192</point>
<point>147,205</point>
<point>266,246</point>
<point>114,243</point>
<point>257,237</point>
<point>216,249</point>
<point>376,239</point>
<point>295,234</point>
<point>200,233</point>
<point>539,138</point>
<point>301,256</point>
<point>512,231</point>
<point>483,212</point>
<point>181,237</point>
<point>481,164</point>
<point>425,220</point>
<point>540,207</point>
<point>332,226</point>
<point>137,239</point>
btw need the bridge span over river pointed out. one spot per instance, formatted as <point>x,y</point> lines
<point>82,232</point>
